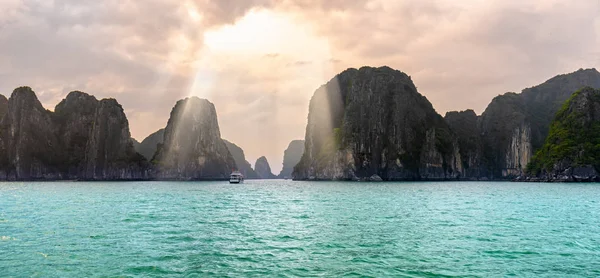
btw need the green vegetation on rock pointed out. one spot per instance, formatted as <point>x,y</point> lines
<point>574,136</point>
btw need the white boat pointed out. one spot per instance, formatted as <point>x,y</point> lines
<point>236,177</point>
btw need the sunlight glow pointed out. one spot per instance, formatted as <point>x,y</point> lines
<point>250,69</point>
<point>266,31</point>
<point>257,31</point>
<point>193,13</point>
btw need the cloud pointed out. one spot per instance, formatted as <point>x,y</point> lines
<point>121,49</point>
<point>271,55</point>
<point>299,63</point>
<point>260,61</point>
<point>462,53</point>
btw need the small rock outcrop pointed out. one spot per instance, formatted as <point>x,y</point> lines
<point>240,160</point>
<point>291,157</point>
<point>572,150</point>
<point>192,147</point>
<point>372,121</point>
<point>262,168</point>
<point>148,146</point>
<point>83,139</point>
<point>3,106</point>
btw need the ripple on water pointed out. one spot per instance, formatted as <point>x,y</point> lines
<point>149,270</point>
<point>168,258</point>
<point>199,229</point>
<point>181,238</point>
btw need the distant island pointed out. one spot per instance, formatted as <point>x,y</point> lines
<point>366,124</point>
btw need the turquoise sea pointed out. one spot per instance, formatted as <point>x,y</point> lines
<point>286,228</point>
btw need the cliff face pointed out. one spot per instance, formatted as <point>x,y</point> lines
<point>514,126</point>
<point>148,146</point>
<point>291,157</point>
<point>240,160</point>
<point>74,118</point>
<point>372,123</point>
<point>30,140</point>
<point>109,152</point>
<point>544,100</point>
<point>4,163</point>
<point>83,139</point>
<point>193,148</point>
<point>572,150</point>
<point>465,125</point>
<point>262,168</point>
<point>506,135</point>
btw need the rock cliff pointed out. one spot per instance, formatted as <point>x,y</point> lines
<point>465,125</point>
<point>193,148</point>
<point>262,168</point>
<point>544,100</point>
<point>240,160</point>
<point>513,126</point>
<point>571,151</point>
<point>33,149</point>
<point>4,132</point>
<point>83,139</point>
<point>148,146</point>
<point>372,124</point>
<point>291,157</point>
<point>109,152</point>
<point>506,136</point>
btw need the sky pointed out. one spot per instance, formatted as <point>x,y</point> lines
<point>260,61</point>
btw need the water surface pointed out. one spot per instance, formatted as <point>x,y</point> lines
<point>286,228</point>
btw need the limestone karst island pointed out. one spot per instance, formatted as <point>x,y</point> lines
<point>364,124</point>
<point>299,138</point>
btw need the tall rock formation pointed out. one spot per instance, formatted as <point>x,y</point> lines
<point>291,157</point>
<point>83,139</point>
<point>109,153</point>
<point>506,136</point>
<point>262,168</point>
<point>148,146</point>
<point>240,160</point>
<point>571,151</point>
<point>30,139</point>
<point>514,126</point>
<point>372,123</point>
<point>465,125</point>
<point>544,100</point>
<point>193,148</point>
